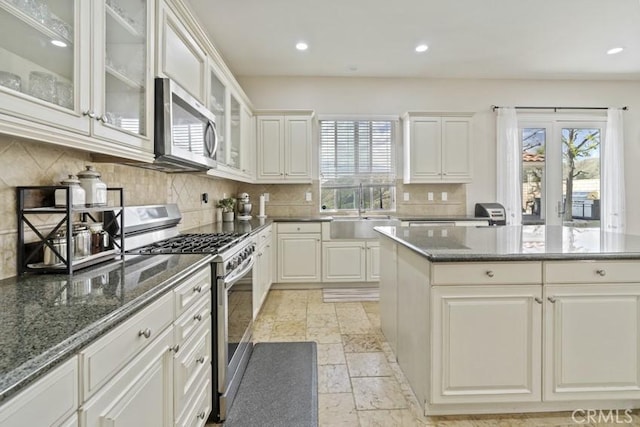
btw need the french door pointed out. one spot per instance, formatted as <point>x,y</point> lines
<point>561,182</point>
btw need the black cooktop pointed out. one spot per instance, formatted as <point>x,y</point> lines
<point>192,244</point>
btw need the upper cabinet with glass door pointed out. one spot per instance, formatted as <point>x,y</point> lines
<point>43,74</point>
<point>74,70</point>
<point>124,89</point>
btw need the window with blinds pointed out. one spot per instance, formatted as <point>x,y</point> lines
<point>357,168</point>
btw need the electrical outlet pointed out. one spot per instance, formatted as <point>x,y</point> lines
<point>205,197</point>
<point>266,197</point>
<point>430,196</point>
<point>406,197</point>
<point>445,196</point>
<point>307,196</point>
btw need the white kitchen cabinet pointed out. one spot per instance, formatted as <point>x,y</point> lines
<point>373,261</point>
<point>437,148</point>
<point>389,292</point>
<point>592,341</point>
<point>139,395</point>
<point>284,147</point>
<point>299,252</point>
<point>262,272</point>
<point>487,344</point>
<point>344,261</point>
<point>98,86</point>
<point>350,261</point>
<point>52,400</point>
<point>180,56</point>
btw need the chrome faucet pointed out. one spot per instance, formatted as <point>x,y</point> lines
<point>360,201</point>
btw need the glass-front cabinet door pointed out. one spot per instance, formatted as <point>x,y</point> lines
<point>124,87</point>
<point>218,106</point>
<point>44,75</point>
<point>235,129</point>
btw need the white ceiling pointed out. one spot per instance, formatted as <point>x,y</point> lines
<point>514,39</point>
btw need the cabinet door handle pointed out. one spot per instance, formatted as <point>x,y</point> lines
<point>174,348</point>
<point>89,114</point>
<point>489,273</point>
<point>538,300</point>
<point>200,359</point>
<point>197,317</point>
<point>197,288</point>
<point>601,273</point>
<point>144,333</point>
<point>102,119</point>
<point>551,300</point>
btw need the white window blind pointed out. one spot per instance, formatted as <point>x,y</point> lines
<point>357,163</point>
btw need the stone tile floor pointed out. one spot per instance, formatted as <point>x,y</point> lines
<point>359,381</point>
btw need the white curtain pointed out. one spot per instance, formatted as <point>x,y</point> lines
<point>612,205</point>
<point>509,164</point>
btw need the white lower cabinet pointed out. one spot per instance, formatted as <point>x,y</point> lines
<point>299,252</point>
<point>389,293</point>
<point>139,395</point>
<point>192,362</point>
<point>592,342</point>
<point>52,400</point>
<point>262,270</point>
<point>350,261</point>
<point>487,344</point>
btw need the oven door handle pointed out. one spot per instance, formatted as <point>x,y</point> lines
<point>230,281</point>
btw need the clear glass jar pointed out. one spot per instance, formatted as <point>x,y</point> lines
<point>77,193</point>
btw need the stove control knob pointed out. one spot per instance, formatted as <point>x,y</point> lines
<point>230,265</point>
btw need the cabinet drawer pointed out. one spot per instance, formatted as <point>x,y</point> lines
<point>190,365</point>
<point>192,290</point>
<point>199,405</point>
<point>104,358</point>
<point>592,271</point>
<point>507,273</point>
<point>192,319</point>
<point>263,237</point>
<point>50,401</point>
<point>299,227</point>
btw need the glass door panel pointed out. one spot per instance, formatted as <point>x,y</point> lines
<point>581,175</point>
<point>534,142</point>
<point>37,51</point>
<point>126,65</point>
<point>217,105</point>
<point>235,143</point>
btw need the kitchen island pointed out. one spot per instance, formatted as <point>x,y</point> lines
<point>513,319</point>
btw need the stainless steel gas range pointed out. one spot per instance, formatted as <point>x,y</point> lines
<point>152,230</point>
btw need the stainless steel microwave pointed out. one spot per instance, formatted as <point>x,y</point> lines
<point>185,132</point>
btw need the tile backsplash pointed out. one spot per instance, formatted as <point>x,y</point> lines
<point>25,163</point>
<point>32,163</point>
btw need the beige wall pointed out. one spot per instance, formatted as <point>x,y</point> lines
<point>394,96</point>
<point>32,163</point>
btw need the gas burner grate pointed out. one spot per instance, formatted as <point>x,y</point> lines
<point>193,244</point>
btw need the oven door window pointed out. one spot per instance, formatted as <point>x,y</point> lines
<point>240,311</point>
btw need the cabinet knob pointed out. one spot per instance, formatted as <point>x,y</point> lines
<point>551,300</point>
<point>489,273</point>
<point>144,333</point>
<point>102,119</point>
<point>89,114</point>
<point>601,273</point>
<point>174,348</point>
<point>200,359</point>
<point>197,288</point>
<point>538,300</point>
<point>201,415</point>
<point>197,317</point>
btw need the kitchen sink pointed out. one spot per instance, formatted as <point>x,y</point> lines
<point>359,227</point>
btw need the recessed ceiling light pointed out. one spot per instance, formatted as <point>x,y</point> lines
<point>301,46</point>
<point>58,43</point>
<point>615,50</point>
<point>421,48</point>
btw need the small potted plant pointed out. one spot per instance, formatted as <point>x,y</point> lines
<point>227,208</point>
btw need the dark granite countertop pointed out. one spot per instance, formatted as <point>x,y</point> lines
<point>522,243</point>
<point>440,218</point>
<point>45,319</point>
<point>251,226</point>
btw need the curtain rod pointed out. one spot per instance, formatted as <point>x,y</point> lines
<point>555,109</point>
